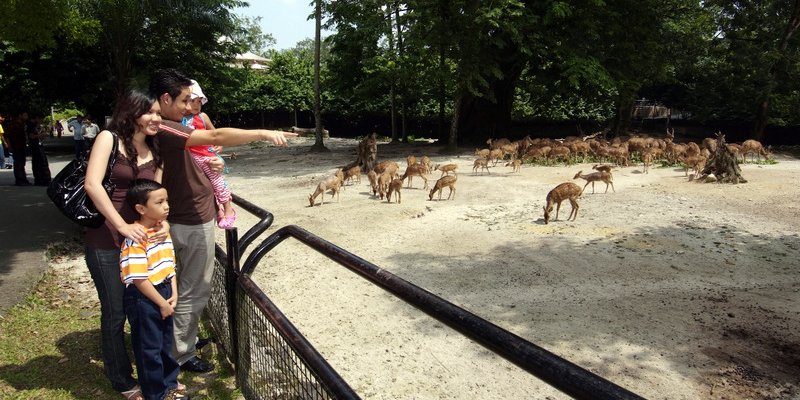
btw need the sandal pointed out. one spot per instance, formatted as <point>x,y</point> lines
<point>135,393</point>
<point>227,222</point>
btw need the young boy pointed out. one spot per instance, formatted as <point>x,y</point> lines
<point>148,269</point>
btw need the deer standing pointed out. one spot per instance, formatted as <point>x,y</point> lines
<point>565,191</point>
<point>597,176</point>
<point>448,181</point>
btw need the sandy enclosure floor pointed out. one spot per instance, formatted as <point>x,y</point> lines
<point>672,289</point>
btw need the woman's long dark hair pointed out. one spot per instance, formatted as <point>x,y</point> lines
<point>129,107</point>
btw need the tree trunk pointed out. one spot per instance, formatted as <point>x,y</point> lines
<point>319,145</point>
<point>480,118</point>
<point>622,116</point>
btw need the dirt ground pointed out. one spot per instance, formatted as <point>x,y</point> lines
<point>672,289</point>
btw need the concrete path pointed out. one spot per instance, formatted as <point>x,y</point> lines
<point>28,222</point>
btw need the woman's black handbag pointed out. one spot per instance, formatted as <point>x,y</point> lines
<point>67,191</point>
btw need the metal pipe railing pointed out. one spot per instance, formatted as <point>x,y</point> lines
<point>556,371</point>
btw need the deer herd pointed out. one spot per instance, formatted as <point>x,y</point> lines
<point>386,181</point>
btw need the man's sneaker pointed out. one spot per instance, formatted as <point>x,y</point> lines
<point>197,364</point>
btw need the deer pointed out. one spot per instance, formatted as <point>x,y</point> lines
<point>411,160</point>
<point>597,176</point>
<point>384,180</point>
<point>415,170</point>
<point>373,182</point>
<point>352,172</point>
<point>495,155</point>
<point>394,187</point>
<point>480,163</point>
<point>497,143</point>
<point>560,152</point>
<point>387,166</point>
<point>648,156</point>
<point>483,153</point>
<point>515,165</point>
<point>565,191</point>
<point>447,168</point>
<point>427,163</point>
<point>331,184</point>
<point>696,163</point>
<point>755,147</point>
<point>736,150</point>
<point>602,168</point>
<point>448,181</point>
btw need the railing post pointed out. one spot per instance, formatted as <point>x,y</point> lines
<point>231,274</point>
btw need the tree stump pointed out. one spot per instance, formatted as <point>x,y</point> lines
<point>723,164</point>
<point>368,152</point>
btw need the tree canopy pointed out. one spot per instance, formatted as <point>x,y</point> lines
<point>474,69</point>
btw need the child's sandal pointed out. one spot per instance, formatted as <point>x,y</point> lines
<point>227,222</point>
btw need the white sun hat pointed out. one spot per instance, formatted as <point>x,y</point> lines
<point>198,92</point>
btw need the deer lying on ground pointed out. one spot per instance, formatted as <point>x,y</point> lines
<point>480,163</point>
<point>447,168</point>
<point>565,191</point>
<point>595,177</point>
<point>755,147</point>
<point>448,181</point>
<point>415,170</point>
<point>394,187</point>
<point>515,165</point>
<point>330,184</point>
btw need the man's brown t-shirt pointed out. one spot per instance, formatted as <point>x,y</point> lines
<point>191,196</point>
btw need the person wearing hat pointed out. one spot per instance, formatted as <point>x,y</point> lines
<point>203,154</point>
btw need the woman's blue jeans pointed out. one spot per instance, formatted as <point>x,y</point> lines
<point>104,267</point>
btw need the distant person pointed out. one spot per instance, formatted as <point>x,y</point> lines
<point>90,130</point>
<point>59,128</point>
<point>36,132</point>
<point>15,135</point>
<point>2,145</point>
<point>204,155</point>
<point>147,269</point>
<point>76,127</point>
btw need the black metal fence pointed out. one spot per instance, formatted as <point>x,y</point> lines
<point>273,360</point>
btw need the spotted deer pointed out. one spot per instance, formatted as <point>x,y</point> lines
<point>448,181</point>
<point>481,163</point>
<point>565,191</point>
<point>330,184</point>
<point>447,168</point>
<point>595,177</point>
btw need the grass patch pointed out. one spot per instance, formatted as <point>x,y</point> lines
<point>50,345</point>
